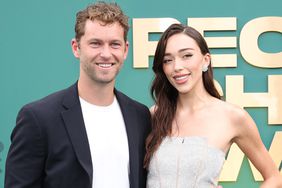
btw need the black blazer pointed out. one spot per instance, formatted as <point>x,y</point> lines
<point>49,145</point>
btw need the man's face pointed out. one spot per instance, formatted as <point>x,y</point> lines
<point>102,51</point>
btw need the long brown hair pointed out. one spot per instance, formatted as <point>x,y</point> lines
<point>165,95</point>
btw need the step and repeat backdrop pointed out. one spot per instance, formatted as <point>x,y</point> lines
<point>245,38</point>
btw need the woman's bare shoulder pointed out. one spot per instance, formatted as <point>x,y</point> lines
<point>237,115</point>
<point>153,109</point>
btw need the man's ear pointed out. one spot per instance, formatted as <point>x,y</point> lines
<point>126,50</point>
<point>75,48</point>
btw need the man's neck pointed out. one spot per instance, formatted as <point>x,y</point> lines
<point>100,95</point>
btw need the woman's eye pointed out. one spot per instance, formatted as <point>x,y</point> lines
<point>187,56</point>
<point>166,61</point>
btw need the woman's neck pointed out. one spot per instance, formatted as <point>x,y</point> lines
<point>193,101</point>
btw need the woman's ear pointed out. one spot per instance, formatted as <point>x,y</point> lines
<point>206,62</point>
<point>207,59</point>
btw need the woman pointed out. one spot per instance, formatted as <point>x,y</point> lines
<point>192,128</point>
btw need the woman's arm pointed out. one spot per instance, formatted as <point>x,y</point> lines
<point>249,141</point>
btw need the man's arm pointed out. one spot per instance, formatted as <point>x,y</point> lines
<point>26,156</point>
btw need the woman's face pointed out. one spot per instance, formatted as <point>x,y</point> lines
<point>183,62</point>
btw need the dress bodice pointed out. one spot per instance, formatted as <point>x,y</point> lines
<point>185,162</point>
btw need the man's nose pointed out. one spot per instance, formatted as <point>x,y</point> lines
<point>105,51</point>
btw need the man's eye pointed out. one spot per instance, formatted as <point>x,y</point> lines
<point>116,45</point>
<point>94,44</point>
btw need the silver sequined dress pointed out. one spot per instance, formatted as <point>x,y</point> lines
<point>185,162</point>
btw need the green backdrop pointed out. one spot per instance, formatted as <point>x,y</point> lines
<point>36,57</point>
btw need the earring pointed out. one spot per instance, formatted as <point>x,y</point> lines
<point>205,68</point>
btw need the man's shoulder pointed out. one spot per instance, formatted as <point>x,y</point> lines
<point>50,101</point>
<point>128,100</point>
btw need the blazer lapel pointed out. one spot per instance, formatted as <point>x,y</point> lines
<point>74,123</point>
<point>132,134</point>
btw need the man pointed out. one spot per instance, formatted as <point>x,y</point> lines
<point>89,135</point>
